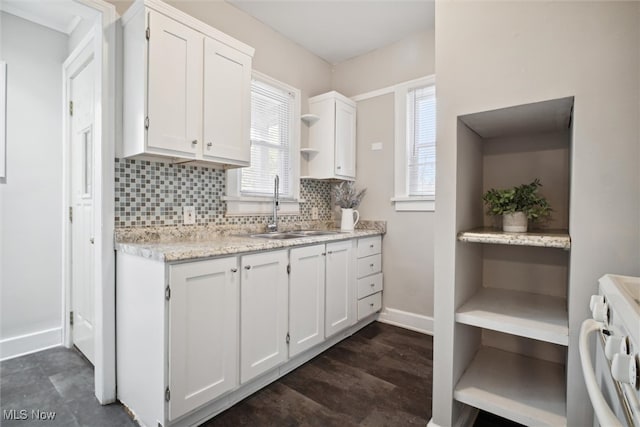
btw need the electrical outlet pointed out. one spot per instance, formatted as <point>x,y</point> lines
<point>314,213</point>
<point>189,213</point>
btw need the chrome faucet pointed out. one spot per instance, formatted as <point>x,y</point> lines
<point>273,226</point>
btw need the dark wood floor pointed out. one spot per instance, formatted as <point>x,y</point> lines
<point>380,376</point>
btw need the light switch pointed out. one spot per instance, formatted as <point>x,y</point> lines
<point>376,146</point>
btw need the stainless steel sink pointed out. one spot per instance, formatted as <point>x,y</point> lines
<point>282,235</point>
<point>276,236</point>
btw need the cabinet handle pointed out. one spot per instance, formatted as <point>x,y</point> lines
<point>371,246</point>
<point>339,167</point>
<point>330,252</point>
<point>194,142</point>
<point>373,284</point>
<point>371,265</point>
<point>235,270</point>
<point>247,267</point>
<point>209,144</point>
<point>371,304</point>
<point>324,253</point>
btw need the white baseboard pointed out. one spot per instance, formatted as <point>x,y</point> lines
<point>30,343</point>
<point>407,320</point>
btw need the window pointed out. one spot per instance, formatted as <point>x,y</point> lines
<point>415,145</point>
<point>275,113</point>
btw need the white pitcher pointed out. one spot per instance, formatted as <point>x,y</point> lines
<point>348,221</point>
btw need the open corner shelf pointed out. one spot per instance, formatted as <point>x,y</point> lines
<point>309,119</point>
<point>546,239</point>
<point>308,151</point>
<point>540,317</point>
<point>526,390</point>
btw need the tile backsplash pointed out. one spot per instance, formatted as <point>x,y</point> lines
<point>153,193</point>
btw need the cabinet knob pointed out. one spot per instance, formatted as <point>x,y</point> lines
<point>339,167</point>
<point>194,142</point>
<point>371,304</point>
<point>371,265</point>
<point>324,253</point>
<point>330,252</point>
<point>209,144</point>
<point>371,246</point>
<point>234,270</point>
<point>247,267</point>
<point>373,285</point>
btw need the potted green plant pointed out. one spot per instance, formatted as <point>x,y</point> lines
<point>517,205</point>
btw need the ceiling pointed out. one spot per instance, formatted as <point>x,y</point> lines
<point>60,15</point>
<point>337,30</point>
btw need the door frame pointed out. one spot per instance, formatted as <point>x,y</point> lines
<point>102,37</point>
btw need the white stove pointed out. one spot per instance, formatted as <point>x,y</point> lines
<point>614,390</point>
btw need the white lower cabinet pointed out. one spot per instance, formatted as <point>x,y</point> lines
<point>340,283</point>
<point>263,312</point>
<point>194,338</point>
<point>306,298</point>
<point>203,331</point>
<point>369,273</point>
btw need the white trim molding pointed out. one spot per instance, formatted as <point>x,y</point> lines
<point>407,320</point>
<point>30,343</point>
<point>402,200</point>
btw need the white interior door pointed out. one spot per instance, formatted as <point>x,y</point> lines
<point>81,216</point>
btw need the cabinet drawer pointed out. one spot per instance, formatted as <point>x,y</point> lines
<point>369,265</point>
<point>369,305</point>
<point>369,246</point>
<point>369,285</point>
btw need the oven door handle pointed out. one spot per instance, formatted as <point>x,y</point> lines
<point>605,415</point>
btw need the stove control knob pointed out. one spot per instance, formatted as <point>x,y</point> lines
<point>615,344</point>
<point>624,369</point>
<point>594,300</point>
<point>600,312</point>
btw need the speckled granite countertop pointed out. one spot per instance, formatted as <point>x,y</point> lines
<point>541,238</point>
<point>181,243</point>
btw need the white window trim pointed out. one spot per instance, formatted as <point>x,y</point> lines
<point>402,200</point>
<point>238,205</point>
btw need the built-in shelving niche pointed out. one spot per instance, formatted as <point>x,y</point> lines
<point>511,291</point>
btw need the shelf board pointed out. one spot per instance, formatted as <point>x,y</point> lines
<point>546,239</point>
<point>309,150</point>
<point>539,317</point>
<point>309,119</point>
<point>525,390</point>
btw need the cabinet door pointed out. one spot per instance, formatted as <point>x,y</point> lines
<point>174,92</point>
<point>345,139</point>
<point>306,298</point>
<point>227,97</point>
<point>263,313</point>
<point>203,331</point>
<point>340,282</point>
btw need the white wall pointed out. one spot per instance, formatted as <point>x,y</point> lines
<point>408,245</point>
<point>30,269</point>
<point>497,54</point>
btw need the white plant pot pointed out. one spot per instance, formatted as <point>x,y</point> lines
<point>514,222</point>
<point>348,222</point>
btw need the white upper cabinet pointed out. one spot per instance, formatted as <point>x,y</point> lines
<point>186,88</point>
<point>333,136</point>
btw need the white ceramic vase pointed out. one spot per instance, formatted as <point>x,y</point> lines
<point>348,221</point>
<point>514,222</point>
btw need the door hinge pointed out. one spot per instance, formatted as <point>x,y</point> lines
<point>71,108</point>
<point>167,394</point>
<point>288,268</point>
<point>167,293</point>
<point>71,318</point>
<point>288,337</point>
<point>147,33</point>
<point>146,122</point>
<point>70,213</point>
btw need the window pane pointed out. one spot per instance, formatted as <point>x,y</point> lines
<point>271,118</point>
<point>421,139</point>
